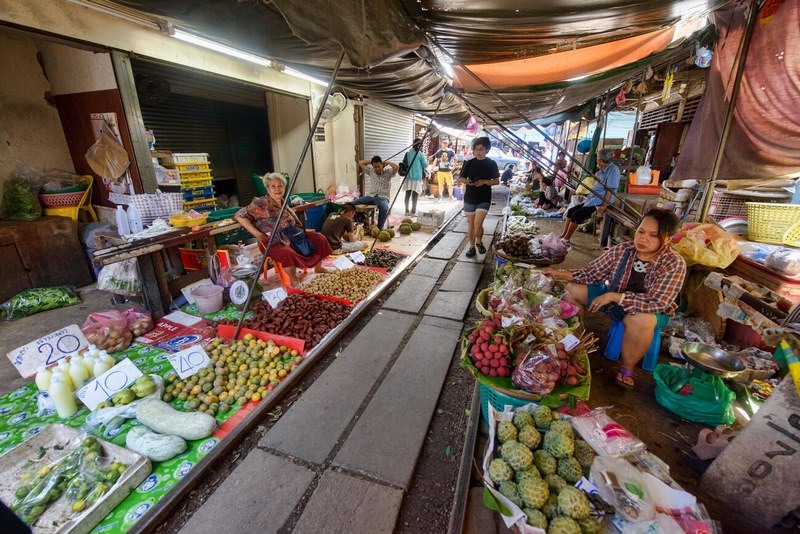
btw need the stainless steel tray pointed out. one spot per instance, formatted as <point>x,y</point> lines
<point>58,517</point>
<point>712,360</point>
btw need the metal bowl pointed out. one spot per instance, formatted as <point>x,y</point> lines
<point>712,360</point>
<point>242,272</point>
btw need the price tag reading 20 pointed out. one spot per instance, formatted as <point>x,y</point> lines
<point>106,385</point>
<point>189,361</point>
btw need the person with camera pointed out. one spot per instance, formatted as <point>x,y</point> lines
<point>636,282</point>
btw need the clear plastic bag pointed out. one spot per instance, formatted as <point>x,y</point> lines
<point>114,416</point>
<point>691,329</point>
<point>108,330</point>
<point>785,260</point>
<point>621,485</point>
<point>121,278</point>
<point>553,246</point>
<point>20,195</point>
<point>538,371</point>
<point>139,320</point>
<point>37,300</point>
<point>606,436</point>
<point>706,244</point>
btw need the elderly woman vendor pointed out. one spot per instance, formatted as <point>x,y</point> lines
<point>636,282</point>
<point>259,219</point>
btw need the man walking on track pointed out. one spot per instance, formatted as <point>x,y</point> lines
<point>445,160</point>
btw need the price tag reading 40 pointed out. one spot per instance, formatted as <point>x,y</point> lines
<point>106,385</point>
<point>188,361</point>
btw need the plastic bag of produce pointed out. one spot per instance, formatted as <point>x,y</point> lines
<point>621,485</point>
<point>538,371</point>
<point>114,416</point>
<point>643,175</point>
<point>706,244</point>
<point>139,320</point>
<point>121,278</point>
<point>108,330</point>
<point>37,300</point>
<point>553,246</point>
<point>20,195</point>
<point>606,436</point>
<point>785,260</point>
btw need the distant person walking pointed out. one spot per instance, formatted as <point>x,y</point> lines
<point>445,160</point>
<point>416,162</point>
<point>478,175</point>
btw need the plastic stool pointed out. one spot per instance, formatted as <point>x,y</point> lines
<point>614,346</point>
<point>84,207</point>
<point>282,274</point>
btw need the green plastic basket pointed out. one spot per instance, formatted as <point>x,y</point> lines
<point>498,401</point>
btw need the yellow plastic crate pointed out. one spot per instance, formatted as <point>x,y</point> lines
<point>200,203</point>
<point>767,223</point>
<point>183,220</point>
<point>192,166</point>
<point>195,182</point>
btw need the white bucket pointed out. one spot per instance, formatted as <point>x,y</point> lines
<point>208,298</point>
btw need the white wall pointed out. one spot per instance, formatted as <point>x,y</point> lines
<point>72,70</point>
<point>30,129</point>
<point>289,124</point>
<point>335,159</point>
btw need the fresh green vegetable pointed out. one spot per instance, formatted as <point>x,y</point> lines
<point>144,386</point>
<point>20,201</point>
<point>121,398</point>
<point>37,300</point>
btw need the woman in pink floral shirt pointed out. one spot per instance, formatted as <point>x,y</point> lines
<point>259,219</point>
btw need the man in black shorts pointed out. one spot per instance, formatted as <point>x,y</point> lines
<point>606,182</point>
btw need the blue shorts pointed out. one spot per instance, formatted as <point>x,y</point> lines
<point>595,290</point>
<point>472,208</point>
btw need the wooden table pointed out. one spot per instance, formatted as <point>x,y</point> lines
<point>147,252</point>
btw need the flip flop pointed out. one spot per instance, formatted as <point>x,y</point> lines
<point>622,374</point>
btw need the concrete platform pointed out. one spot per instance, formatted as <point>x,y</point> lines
<point>411,295</point>
<point>463,277</point>
<point>447,246</point>
<point>429,267</point>
<point>385,432</point>
<point>313,425</point>
<point>488,239</point>
<point>450,304</point>
<point>343,504</point>
<point>259,496</point>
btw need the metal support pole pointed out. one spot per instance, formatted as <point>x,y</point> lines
<point>289,187</point>
<point>726,126</point>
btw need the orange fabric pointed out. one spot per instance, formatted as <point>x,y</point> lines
<point>564,65</point>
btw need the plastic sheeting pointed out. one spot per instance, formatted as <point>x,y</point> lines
<point>763,140</point>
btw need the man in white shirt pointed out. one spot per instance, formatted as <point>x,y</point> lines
<point>377,185</point>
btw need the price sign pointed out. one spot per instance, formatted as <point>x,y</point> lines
<point>342,263</point>
<point>274,296</point>
<point>47,350</point>
<point>570,342</point>
<point>187,362</point>
<point>357,256</point>
<point>106,385</point>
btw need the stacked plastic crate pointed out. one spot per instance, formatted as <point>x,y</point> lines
<point>195,173</point>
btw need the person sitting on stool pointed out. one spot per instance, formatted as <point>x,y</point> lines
<point>378,184</point>
<point>340,231</point>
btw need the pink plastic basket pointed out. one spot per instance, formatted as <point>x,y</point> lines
<point>61,200</point>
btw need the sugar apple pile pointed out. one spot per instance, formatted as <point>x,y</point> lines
<point>537,462</point>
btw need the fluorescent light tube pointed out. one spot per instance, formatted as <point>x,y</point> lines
<point>219,47</point>
<point>297,74</point>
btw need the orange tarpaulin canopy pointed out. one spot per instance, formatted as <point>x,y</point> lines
<point>564,65</point>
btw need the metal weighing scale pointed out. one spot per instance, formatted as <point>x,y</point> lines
<point>703,359</point>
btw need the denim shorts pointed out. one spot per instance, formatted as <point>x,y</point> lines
<point>595,290</point>
<point>472,208</point>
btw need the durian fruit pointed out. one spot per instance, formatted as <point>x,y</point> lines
<point>573,502</point>
<point>406,221</point>
<point>374,231</point>
<point>543,417</point>
<point>500,471</point>
<point>518,456</point>
<point>506,431</point>
<point>384,236</point>
<point>545,463</point>
<point>391,232</point>
<point>563,525</point>
<point>534,492</point>
<point>569,469</point>
<point>509,489</point>
<point>405,229</point>
<point>529,437</point>
<point>523,419</point>
<point>415,226</point>
<point>558,445</point>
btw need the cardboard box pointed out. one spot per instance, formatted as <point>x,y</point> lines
<point>433,218</point>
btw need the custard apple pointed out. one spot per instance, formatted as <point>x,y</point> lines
<point>523,419</point>
<point>543,417</point>
<point>534,492</point>
<point>573,503</point>
<point>583,453</point>
<point>559,425</point>
<point>569,469</point>
<point>545,463</point>
<point>550,508</point>
<point>556,483</point>
<point>500,471</point>
<point>509,489</point>
<point>506,431</point>
<point>535,518</point>
<point>529,437</point>
<point>589,525</point>
<point>519,476</point>
<point>518,456</point>
<point>563,525</point>
<point>558,444</point>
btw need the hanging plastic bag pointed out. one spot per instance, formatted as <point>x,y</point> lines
<point>644,175</point>
<point>706,244</point>
<point>20,195</point>
<point>107,157</point>
<point>121,278</point>
<point>37,300</point>
<point>108,330</point>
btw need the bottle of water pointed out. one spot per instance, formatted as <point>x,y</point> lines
<point>122,222</point>
<point>134,219</point>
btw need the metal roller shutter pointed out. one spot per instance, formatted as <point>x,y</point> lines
<point>387,131</point>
